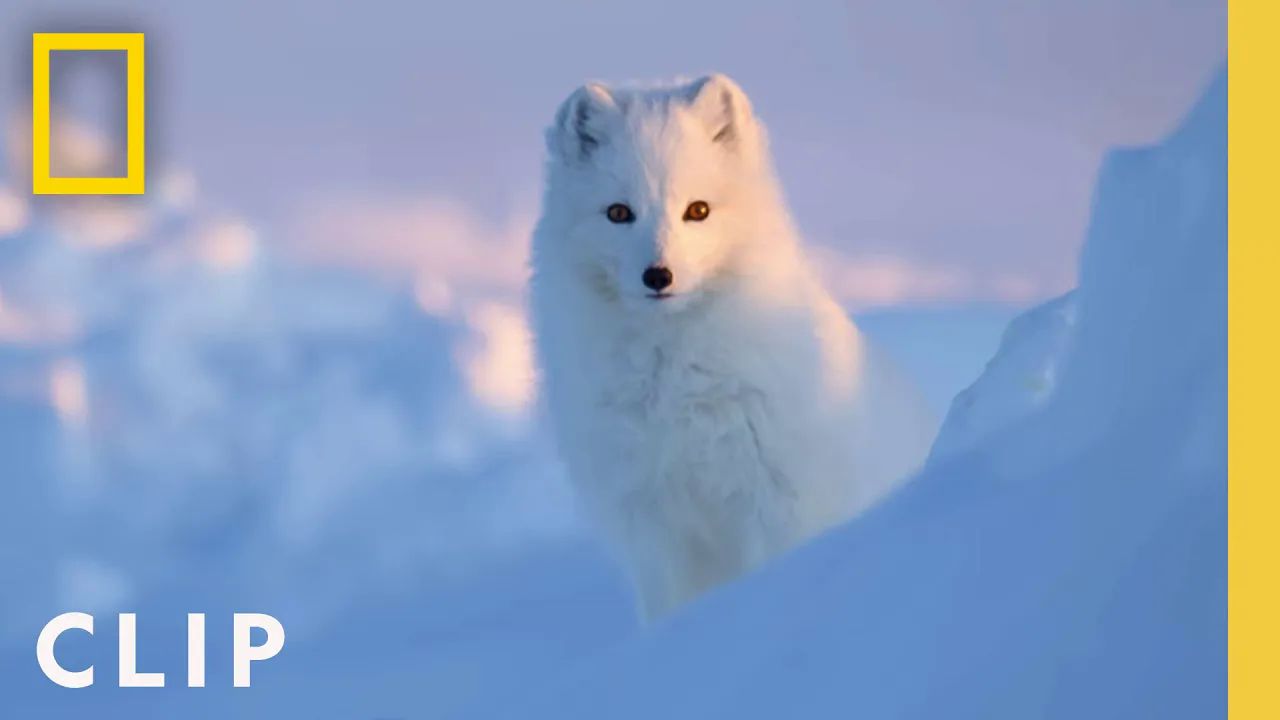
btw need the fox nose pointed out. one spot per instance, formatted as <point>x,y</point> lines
<point>656,278</point>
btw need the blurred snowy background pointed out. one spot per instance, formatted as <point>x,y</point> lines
<point>295,377</point>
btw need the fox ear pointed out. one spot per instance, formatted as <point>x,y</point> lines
<point>723,106</point>
<point>581,123</point>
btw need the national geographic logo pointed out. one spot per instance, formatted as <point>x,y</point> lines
<point>134,180</point>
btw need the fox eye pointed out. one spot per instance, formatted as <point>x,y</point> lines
<point>697,211</point>
<point>619,213</point>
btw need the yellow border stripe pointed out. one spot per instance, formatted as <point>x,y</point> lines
<point>1252,359</point>
<point>134,182</point>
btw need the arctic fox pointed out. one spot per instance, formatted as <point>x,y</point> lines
<point>714,406</point>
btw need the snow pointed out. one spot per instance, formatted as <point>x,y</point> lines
<point>189,421</point>
<point>1018,380</point>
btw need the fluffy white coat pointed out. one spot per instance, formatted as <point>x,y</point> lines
<point>716,423</point>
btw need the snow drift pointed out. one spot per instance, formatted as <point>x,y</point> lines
<point>179,397</point>
<point>1016,382</point>
<point>1071,563</point>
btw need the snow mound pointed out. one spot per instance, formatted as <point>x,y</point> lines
<point>180,397</point>
<point>1070,565</point>
<point>1018,380</point>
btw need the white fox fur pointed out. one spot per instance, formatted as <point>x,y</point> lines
<point>741,412</point>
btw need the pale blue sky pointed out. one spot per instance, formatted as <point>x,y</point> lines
<point>958,139</point>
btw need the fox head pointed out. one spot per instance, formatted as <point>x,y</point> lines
<point>653,191</point>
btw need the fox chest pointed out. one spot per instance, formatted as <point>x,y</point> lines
<point>685,433</point>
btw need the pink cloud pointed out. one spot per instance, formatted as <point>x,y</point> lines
<point>879,279</point>
<point>442,247</point>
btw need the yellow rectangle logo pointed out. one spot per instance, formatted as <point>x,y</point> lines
<point>134,181</point>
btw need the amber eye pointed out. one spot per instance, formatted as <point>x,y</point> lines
<point>619,213</point>
<point>697,211</point>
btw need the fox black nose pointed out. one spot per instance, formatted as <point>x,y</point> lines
<point>656,278</point>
